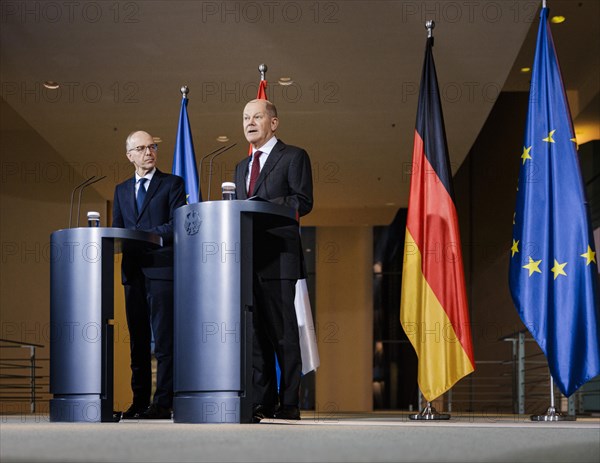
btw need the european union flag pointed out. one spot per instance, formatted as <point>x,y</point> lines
<point>184,158</point>
<point>553,269</point>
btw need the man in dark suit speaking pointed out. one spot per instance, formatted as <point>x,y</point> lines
<point>147,202</point>
<point>281,174</point>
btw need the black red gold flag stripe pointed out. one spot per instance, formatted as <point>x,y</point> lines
<point>433,309</point>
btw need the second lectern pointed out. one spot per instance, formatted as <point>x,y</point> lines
<point>81,318</point>
<point>213,302</point>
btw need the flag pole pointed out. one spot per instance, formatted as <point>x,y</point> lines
<point>262,95</point>
<point>262,68</point>
<point>551,413</point>
<point>429,413</point>
<point>429,25</point>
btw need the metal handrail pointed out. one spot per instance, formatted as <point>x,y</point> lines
<point>20,343</point>
<point>525,373</point>
<point>12,384</point>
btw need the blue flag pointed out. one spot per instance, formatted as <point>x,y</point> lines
<point>553,269</point>
<point>184,158</point>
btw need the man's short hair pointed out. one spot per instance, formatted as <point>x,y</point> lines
<point>128,139</point>
<point>130,136</point>
<point>270,107</point>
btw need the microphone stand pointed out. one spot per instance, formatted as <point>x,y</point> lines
<point>87,184</point>
<point>210,172</point>
<point>203,158</point>
<point>73,196</point>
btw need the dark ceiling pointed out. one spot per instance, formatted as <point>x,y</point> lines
<point>355,67</point>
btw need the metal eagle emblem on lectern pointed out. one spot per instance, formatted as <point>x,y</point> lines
<point>192,223</point>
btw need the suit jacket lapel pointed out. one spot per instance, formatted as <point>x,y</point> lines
<point>272,160</point>
<point>240,180</point>
<point>129,198</point>
<point>154,184</point>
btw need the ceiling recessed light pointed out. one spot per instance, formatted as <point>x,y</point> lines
<point>222,138</point>
<point>558,19</point>
<point>285,81</point>
<point>524,70</point>
<point>50,84</point>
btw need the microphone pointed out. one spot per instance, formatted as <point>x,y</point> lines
<point>85,185</point>
<point>73,195</point>
<point>210,171</point>
<point>202,159</point>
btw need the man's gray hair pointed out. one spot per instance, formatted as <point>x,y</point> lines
<point>270,107</point>
<point>129,137</point>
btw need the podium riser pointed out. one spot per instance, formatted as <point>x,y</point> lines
<point>208,408</point>
<point>73,409</point>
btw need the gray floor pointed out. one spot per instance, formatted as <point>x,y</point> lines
<point>344,438</point>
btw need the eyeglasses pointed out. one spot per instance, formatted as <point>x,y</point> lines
<point>142,149</point>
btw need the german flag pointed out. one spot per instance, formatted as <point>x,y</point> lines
<point>433,305</point>
<point>262,90</point>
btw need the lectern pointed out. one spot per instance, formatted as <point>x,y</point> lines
<point>213,301</point>
<point>81,319</point>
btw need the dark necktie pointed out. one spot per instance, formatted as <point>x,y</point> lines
<point>141,195</point>
<point>255,172</point>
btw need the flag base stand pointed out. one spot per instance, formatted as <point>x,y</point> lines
<point>429,413</point>
<point>553,415</point>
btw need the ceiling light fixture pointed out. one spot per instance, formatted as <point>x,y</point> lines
<point>285,81</point>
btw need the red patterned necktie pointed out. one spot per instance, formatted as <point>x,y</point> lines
<point>255,172</point>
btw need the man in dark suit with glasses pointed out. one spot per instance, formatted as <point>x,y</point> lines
<point>147,202</point>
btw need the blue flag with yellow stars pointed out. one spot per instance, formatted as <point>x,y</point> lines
<point>184,158</point>
<point>553,269</point>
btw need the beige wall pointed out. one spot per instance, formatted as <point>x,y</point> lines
<point>122,379</point>
<point>35,188</point>
<point>344,270</point>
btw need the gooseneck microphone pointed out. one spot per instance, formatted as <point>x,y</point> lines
<point>202,159</point>
<point>73,196</point>
<point>210,171</point>
<point>84,186</point>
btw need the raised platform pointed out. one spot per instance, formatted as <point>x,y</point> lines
<point>343,437</point>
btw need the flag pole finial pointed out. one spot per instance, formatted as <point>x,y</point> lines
<point>429,25</point>
<point>184,91</point>
<point>544,4</point>
<point>262,68</point>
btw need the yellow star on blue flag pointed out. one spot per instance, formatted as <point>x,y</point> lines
<point>560,306</point>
